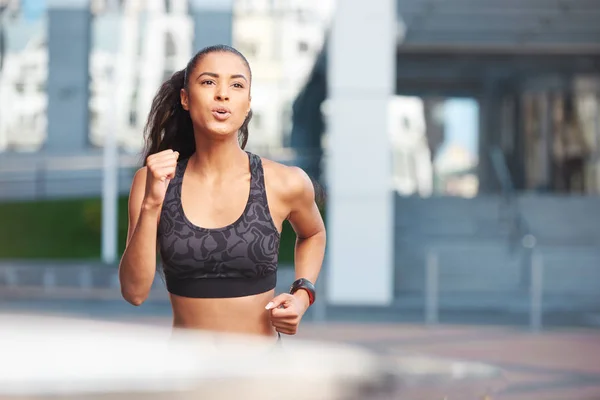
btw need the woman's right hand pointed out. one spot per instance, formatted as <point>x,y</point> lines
<point>160,170</point>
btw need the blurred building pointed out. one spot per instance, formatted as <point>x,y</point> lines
<point>529,74</point>
<point>281,40</point>
<point>482,121</point>
<point>136,45</point>
<point>129,48</point>
<point>23,99</point>
<point>126,68</point>
<point>412,171</point>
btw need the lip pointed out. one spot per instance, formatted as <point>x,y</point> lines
<point>221,113</point>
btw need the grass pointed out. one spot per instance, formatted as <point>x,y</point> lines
<point>71,229</point>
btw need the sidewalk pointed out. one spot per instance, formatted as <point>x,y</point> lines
<point>555,364</point>
<point>552,365</point>
<point>560,364</point>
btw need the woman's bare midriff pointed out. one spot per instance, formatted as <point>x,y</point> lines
<point>246,315</point>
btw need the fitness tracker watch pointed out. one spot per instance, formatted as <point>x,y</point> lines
<point>306,285</point>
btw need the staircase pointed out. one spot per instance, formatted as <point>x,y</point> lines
<point>482,263</point>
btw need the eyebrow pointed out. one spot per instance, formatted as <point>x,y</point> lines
<point>213,75</point>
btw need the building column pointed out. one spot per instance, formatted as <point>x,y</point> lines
<point>545,148</point>
<point>69,35</point>
<point>308,122</point>
<point>213,22</point>
<point>361,80</point>
<point>490,104</point>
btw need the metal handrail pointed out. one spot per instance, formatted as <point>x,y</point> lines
<point>520,231</point>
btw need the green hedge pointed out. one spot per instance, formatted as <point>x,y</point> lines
<point>71,229</point>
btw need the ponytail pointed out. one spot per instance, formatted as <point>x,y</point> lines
<point>243,131</point>
<point>169,126</point>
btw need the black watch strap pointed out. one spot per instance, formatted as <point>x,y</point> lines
<point>306,285</point>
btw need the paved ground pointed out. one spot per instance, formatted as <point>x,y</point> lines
<point>555,364</point>
<point>560,364</point>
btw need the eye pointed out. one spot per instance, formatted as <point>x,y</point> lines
<point>238,85</point>
<point>207,82</point>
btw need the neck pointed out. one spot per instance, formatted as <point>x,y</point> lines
<point>217,156</point>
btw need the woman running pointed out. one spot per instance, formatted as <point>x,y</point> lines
<point>214,212</point>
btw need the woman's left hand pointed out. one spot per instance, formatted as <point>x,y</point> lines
<point>287,311</point>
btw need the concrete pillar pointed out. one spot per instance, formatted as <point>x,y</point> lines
<point>513,136</point>
<point>490,104</point>
<point>545,145</point>
<point>308,122</point>
<point>597,137</point>
<point>361,80</point>
<point>213,22</point>
<point>69,35</point>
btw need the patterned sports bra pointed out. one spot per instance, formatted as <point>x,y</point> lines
<point>237,260</point>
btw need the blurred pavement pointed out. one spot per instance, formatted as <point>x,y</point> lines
<point>558,363</point>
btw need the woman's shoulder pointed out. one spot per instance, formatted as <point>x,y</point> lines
<point>288,180</point>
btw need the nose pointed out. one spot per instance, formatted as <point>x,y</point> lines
<point>221,93</point>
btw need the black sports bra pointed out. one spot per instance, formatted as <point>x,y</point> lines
<point>237,260</point>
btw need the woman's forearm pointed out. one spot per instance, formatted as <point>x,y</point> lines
<point>138,264</point>
<point>308,255</point>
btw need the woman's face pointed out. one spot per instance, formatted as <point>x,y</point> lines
<point>218,94</point>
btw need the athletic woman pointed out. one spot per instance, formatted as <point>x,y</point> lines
<point>214,212</point>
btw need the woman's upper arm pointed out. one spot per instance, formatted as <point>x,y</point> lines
<point>304,214</point>
<point>136,197</point>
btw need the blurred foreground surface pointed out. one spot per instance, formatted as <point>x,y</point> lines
<point>555,364</point>
<point>57,357</point>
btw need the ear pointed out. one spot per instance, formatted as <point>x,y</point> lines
<point>184,99</point>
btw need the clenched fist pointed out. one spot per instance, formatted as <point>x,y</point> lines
<point>286,312</point>
<point>160,170</point>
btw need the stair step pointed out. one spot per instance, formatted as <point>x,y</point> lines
<point>509,301</point>
<point>471,238</point>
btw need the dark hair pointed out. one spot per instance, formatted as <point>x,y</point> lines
<point>169,126</point>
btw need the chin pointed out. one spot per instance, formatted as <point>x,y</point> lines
<point>220,130</point>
